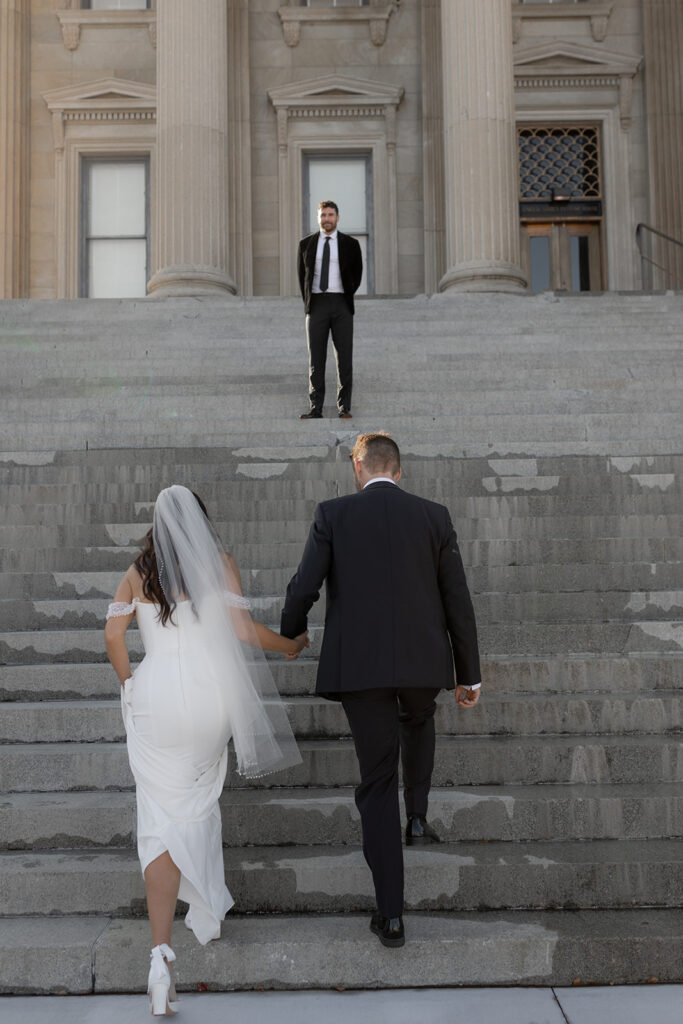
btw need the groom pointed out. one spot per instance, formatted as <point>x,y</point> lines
<point>399,619</point>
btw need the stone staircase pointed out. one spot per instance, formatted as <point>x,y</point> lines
<point>551,428</point>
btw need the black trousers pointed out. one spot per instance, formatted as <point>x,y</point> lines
<point>329,314</point>
<point>384,722</point>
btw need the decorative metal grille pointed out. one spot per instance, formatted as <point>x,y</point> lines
<point>564,160</point>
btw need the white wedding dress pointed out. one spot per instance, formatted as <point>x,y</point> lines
<point>177,719</point>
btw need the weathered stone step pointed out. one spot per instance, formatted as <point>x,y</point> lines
<point>477,761</point>
<point>490,608</point>
<point>131,475</point>
<point>110,470</point>
<point>574,674</point>
<point>44,821</point>
<point>618,433</point>
<point>526,528</point>
<point>101,954</point>
<point>316,718</point>
<point>457,876</point>
<point>34,647</point>
<point>575,577</point>
<point>277,555</point>
<point>261,509</point>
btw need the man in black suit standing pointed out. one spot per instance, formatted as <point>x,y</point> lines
<point>399,619</point>
<point>330,268</point>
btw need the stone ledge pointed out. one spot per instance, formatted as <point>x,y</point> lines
<point>73,21</point>
<point>376,16</point>
<point>597,13</point>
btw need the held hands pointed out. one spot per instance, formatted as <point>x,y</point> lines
<point>301,641</point>
<point>466,698</point>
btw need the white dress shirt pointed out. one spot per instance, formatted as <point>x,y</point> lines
<point>388,480</point>
<point>334,281</point>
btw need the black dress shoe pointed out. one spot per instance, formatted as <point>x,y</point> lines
<point>418,831</point>
<point>344,414</point>
<point>314,414</point>
<point>389,930</point>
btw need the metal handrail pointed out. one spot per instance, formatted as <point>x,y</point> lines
<point>647,259</point>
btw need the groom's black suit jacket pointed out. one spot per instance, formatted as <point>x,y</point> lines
<point>399,612</point>
<point>350,266</point>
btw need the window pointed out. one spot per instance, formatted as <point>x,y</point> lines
<point>346,178</point>
<point>116,5</point>
<point>115,228</point>
<point>559,161</point>
<point>550,1</point>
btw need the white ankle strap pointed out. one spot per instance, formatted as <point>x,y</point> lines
<point>164,951</point>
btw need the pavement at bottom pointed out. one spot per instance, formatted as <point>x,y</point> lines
<point>659,1004</point>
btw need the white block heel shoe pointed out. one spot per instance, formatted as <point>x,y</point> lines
<point>160,988</point>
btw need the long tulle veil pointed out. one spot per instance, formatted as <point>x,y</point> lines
<point>192,567</point>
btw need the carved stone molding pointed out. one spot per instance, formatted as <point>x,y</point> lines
<point>108,99</point>
<point>335,96</point>
<point>376,16</point>
<point>72,21</point>
<point>568,65</point>
<point>597,14</point>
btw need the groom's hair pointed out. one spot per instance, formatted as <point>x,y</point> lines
<point>379,452</point>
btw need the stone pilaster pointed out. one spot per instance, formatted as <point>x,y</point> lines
<point>481,164</point>
<point>14,142</point>
<point>192,151</point>
<point>663,42</point>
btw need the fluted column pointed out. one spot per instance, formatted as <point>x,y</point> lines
<point>192,152</point>
<point>481,164</point>
<point>663,43</point>
<point>14,140</point>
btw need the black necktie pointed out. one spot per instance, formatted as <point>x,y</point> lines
<point>325,268</point>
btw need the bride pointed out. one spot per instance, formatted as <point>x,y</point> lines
<point>203,679</point>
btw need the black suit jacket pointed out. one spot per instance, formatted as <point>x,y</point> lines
<point>350,266</point>
<point>399,612</point>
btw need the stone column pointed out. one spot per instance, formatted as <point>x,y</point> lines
<point>191,200</point>
<point>663,42</point>
<point>481,163</point>
<point>14,143</point>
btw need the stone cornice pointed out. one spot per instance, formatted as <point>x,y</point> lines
<point>376,16</point>
<point>335,91</point>
<point>72,21</point>
<point>557,65</point>
<point>108,99</point>
<point>596,13</point>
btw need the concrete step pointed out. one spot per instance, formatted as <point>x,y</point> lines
<point>315,718</point>
<point>477,761</point>
<point>618,434</point>
<point>137,472</point>
<point>283,555</point>
<point>260,509</point>
<point>572,674</point>
<point>455,876</point>
<point>323,817</point>
<point>251,530</point>
<point>102,954</point>
<point>575,577</point>
<point>70,646</point>
<point>490,608</point>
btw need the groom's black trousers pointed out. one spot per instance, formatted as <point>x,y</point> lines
<point>383,723</point>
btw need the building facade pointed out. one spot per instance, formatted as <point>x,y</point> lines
<point>181,147</point>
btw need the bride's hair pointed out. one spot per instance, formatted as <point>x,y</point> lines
<point>146,565</point>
